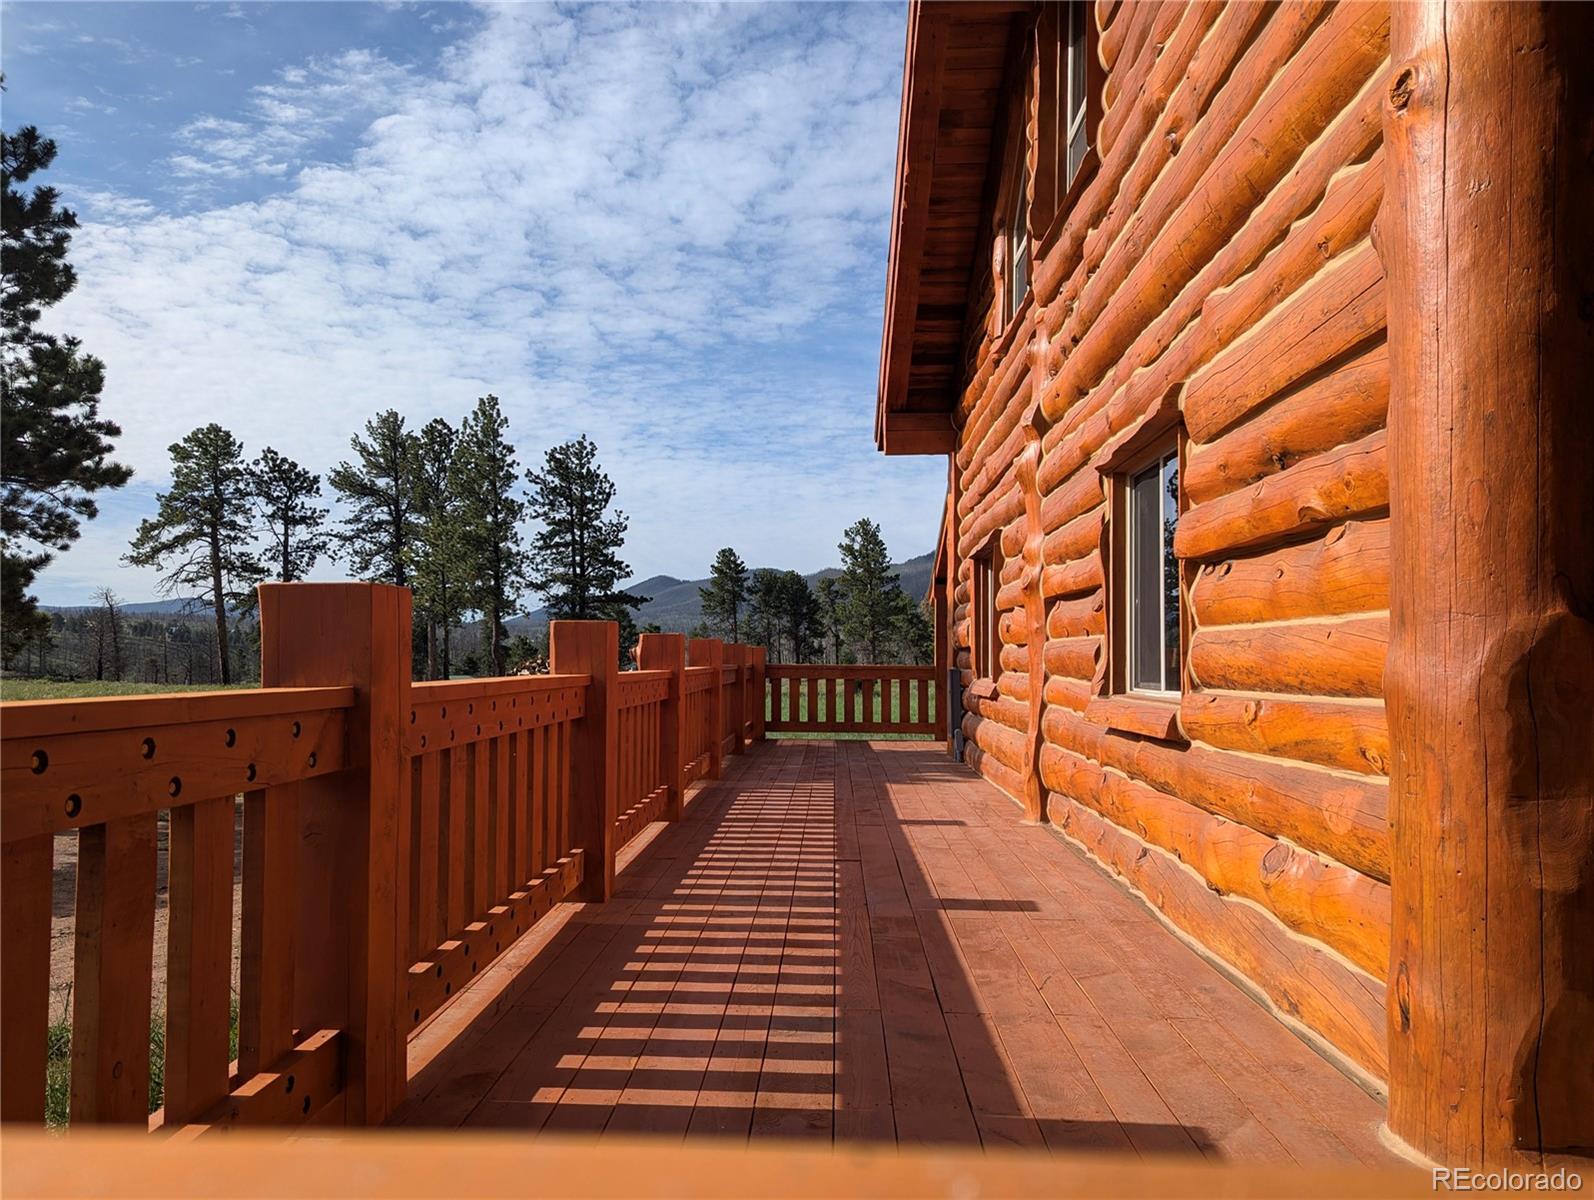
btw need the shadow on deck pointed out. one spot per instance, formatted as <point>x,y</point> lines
<point>862,942</point>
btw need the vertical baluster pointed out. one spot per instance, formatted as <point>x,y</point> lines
<point>503,799</point>
<point>112,971</point>
<point>429,912</point>
<point>270,884</point>
<point>459,844</point>
<point>198,957</point>
<point>25,881</point>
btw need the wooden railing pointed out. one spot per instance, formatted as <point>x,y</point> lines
<point>488,841</point>
<point>396,838</point>
<point>855,700</point>
<point>104,771</point>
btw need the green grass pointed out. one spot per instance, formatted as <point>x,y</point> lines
<point>875,698</point>
<point>70,689</point>
<point>58,1065</point>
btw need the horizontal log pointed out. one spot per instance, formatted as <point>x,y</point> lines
<point>1217,179</point>
<point>1186,334</point>
<point>1077,617</point>
<point>1180,28</point>
<point>1348,737</point>
<point>1343,406</point>
<point>1338,224</point>
<point>1076,539</point>
<point>1180,86</point>
<point>1350,482</point>
<point>1343,817</point>
<point>1004,744</point>
<point>1342,1005</point>
<point>1070,499</point>
<point>999,775</point>
<point>1077,658</point>
<point>1338,906</point>
<point>1346,570</point>
<point>1336,312</point>
<point>1013,627</point>
<point>1073,694</point>
<point>1073,579</point>
<point>1334,658</point>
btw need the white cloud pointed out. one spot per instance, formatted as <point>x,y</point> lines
<point>664,227</point>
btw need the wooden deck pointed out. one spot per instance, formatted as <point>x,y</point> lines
<point>861,941</point>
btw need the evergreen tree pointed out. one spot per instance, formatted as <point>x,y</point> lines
<point>725,594</point>
<point>575,559</point>
<point>764,617</point>
<point>485,472</point>
<point>870,611</point>
<point>915,631</point>
<point>200,535</point>
<point>439,574</point>
<point>830,615</point>
<point>800,615</point>
<point>284,493</point>
<point>55,449</point>
<point>378,534</point>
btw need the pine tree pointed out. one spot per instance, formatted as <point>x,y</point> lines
<point>438,572</point>
<point>201,533</point>
<point>284,493</point>
<point>725,594</point>
<point>575,560</point>
<point>915,632</point>
<point>763,625</point>
<point>378,534</point>
<point>799,614</point>
<point>830,615</point>
<point>55,449</point>
<point>485,472</point>
<point>869,610</point>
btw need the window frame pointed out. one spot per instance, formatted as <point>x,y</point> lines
<point>986,642</point>
<point>1055,196</point>
<point>1154,451</point>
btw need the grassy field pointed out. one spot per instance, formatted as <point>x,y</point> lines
<point>904,697</point>
<point>70,689</point>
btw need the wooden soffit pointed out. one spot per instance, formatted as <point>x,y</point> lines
<point>951,91</point>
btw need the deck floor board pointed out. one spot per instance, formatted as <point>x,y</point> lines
<point>863,942</point>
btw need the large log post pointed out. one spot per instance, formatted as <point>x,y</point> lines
<point>1487,237</point>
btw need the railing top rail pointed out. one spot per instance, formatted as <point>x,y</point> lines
<point>645,676</point>
<point>54,718</point>
<point>821,671</point>
<point>450,690</point>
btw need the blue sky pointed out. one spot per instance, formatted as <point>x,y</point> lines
<point>663,226</point>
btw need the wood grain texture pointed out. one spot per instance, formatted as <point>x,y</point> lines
<point>1491,700</point>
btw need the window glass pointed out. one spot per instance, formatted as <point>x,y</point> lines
<point>1170,575</point>
<point>1145,578</point>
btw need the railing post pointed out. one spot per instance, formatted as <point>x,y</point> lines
<point>760,700</point>
<point>667,652</point>
<point>350,926</point>
<point>736,656</point>
<point>710,652</point>
<point>592,648</point>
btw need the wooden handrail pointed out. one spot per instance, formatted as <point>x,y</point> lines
<point>821,699</point>
<point>397,837</point>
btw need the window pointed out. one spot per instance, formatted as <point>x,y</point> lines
<point>1147,629</point>
<point>987,648</point>
<point>1016,284</point>
<point>1069,82</point>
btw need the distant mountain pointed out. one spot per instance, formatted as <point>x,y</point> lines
<point>676,606</point>
<point>673,604</point>
<point>142,609</point>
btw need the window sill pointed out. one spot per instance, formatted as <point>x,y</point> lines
<point>1153,718</point>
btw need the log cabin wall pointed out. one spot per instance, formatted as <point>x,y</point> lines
<point>1211,270</point>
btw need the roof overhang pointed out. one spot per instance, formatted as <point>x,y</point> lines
<point>951,89</point>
